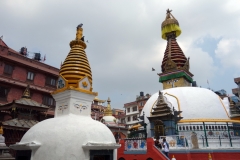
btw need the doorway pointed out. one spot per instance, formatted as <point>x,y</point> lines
<point>101,154</point>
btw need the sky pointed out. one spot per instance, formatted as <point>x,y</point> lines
<point>125,39</point>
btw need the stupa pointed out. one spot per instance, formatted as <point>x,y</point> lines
<point>184,110</point>
<point>72,134</point>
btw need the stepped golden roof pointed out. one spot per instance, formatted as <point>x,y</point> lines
<point>76,65</point>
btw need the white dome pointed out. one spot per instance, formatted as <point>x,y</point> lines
<point>62,140</point>
<point>195,103</point>
<point>109,119</point>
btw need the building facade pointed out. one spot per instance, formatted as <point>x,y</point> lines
<point>17,71</point>
<point>133,109</point>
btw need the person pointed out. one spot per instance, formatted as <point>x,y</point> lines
<point>157,144</point>
<point>165,147</point>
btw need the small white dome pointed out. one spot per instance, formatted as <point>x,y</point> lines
<point>109,119</point>
<point>62,140</point>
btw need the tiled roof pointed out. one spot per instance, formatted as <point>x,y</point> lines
<point>30,102</point>
<point>22,123</point>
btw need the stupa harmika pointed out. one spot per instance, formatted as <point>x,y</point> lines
<point>72,134</point>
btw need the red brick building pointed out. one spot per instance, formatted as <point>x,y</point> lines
<point>17,71</point>
<point>25,91</point>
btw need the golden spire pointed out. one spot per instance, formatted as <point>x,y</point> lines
<point>108,111</point>
<point>1,130</point>
<point>76,65</point>
<point>26,93</point>
<point>170,25</point>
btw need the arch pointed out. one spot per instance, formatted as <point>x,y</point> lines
<point>149,159</point>
<point>121,158</point>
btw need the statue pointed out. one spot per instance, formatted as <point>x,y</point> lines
<point>80,26</point>
<point>194,140</point>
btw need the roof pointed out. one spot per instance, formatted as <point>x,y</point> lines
<point>14,56</point>
<point>24,103</point>
<point>2,43</point>
<point>130,104</point>
<point>19,123</point>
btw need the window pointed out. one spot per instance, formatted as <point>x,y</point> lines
<point>134,108</point>
<point>30,76</point>
<point>128,119</point>
<point>3,92</point>
<point>128,110</point>
<point>8,69</point>
<point>49,101</point>
<point>134,117</point>
<point>50,81</point>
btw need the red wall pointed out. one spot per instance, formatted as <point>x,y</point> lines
<point>19,73</point>
<point>152,152</point>
<point>37,97</point>
<point>14,94</point>
<point>39,79</point>
<point>205,156</point>
<point>1,67</point>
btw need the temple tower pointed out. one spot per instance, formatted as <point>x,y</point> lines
<point>175,66</point>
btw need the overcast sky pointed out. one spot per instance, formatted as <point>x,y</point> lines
<point>125,39</point>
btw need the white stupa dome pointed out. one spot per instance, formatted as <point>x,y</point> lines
<point>109,119</point>
<point>60,135</point>
<point>196,104</point>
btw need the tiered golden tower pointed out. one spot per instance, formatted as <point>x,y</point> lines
<point>75,72</point>
<point>175,66</point>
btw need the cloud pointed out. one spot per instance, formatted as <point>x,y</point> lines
<point>124,37</point>
<point>228,52</point>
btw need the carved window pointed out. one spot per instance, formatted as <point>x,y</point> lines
<point>8,69</point>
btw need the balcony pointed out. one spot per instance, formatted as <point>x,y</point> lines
<point>235,91</point>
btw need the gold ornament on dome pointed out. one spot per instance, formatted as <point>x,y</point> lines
<point>85,84</point>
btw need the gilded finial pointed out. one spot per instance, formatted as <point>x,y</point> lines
<point>79,32</point>
<point>108,111</point>
<point>1,130</point>
<point>108,100</point>
<point>26,93</point>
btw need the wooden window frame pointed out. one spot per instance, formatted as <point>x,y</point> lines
<point>46,99</point>
<point>6,70</point>
<point>32,76</point>
<point>49,81</point>
<point>7,91</point>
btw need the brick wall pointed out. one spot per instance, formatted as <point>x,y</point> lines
<point>1,67</point>
<point>37,97</point>
<point>14,94</point>
<point>39,79</point>
<point>19,73</point>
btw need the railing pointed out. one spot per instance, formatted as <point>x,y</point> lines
<point>133,144</point>
<point>175,141</point>
<point>212,135</point>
